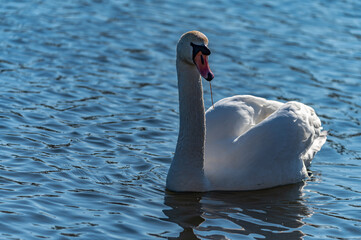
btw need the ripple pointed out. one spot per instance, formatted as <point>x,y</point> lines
<point>89,117</point>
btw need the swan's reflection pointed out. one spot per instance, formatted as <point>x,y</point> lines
<point>273,213</point>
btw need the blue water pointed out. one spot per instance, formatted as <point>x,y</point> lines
<point>89,116</point>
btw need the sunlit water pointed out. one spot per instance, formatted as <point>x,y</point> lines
<point>89,116</point>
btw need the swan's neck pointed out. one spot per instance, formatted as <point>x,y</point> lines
<point>186,170</point>
<point>191,109</point>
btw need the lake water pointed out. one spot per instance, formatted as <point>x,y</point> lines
<point>89,116</point>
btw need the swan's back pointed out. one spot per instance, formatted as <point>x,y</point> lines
<point>236,115</point>
<point>254,143</point>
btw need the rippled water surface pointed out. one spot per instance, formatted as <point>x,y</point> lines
<point>89,116</point>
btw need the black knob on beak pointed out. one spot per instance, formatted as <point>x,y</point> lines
<point>210,76</point>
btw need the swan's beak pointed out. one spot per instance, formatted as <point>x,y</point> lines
<point>201,61</point>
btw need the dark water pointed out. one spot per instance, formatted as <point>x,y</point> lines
<point>89,123</point>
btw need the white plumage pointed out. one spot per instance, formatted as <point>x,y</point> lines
<point>244,142</point>
<point>253,143</point>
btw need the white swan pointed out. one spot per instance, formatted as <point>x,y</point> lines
<point>247,142</point>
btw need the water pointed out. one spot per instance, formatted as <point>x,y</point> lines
<point>89,122</point>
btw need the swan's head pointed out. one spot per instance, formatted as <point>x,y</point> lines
<point>192,48</point>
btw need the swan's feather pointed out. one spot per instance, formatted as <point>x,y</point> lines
<point>254,143</point>
<point>244,143</point>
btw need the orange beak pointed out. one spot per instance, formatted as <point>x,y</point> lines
<point>201,62</point>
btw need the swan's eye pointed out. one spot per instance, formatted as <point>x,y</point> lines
<point>200,48</point>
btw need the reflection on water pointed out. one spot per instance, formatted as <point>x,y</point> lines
<point>186,211</point>
<point>275,213</point>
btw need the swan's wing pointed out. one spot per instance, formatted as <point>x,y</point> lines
<point>294,130</point>
<point>233,116</point>
<point>273,152</point>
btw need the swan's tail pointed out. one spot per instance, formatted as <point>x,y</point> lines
<point>315,147</point>
<point>317,137</point>
<point>313,135</point>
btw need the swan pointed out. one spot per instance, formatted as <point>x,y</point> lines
<point>242,142</point>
